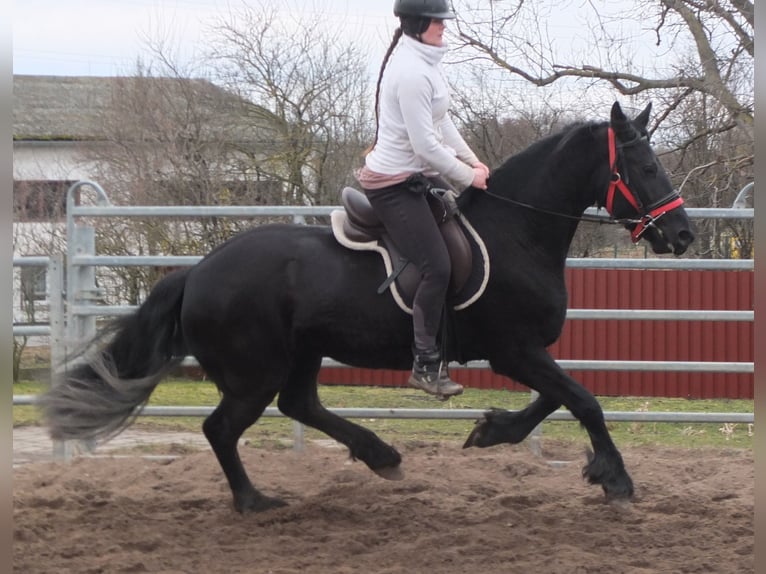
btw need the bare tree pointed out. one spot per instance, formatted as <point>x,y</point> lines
<point>710,172</point>
<point>714,40</point>
<point>499,120</point>
<point>692,58</point>
<point>288,128</point>
<point>309,85</point>
<point>169,140</point>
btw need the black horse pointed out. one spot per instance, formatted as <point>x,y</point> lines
<point>261,310</point>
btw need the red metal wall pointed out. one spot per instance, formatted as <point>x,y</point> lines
<point>634,340</point>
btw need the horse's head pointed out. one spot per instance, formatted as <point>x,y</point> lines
<point>640,192</point>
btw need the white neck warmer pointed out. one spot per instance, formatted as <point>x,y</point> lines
<point>431,54</point>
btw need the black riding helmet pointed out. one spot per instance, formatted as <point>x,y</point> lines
<point>416,15</point>
<point>427,8</point>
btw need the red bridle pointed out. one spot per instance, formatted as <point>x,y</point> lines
<point>647,215</point>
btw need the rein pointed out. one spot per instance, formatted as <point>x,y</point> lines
<point>648,216</point>
<point>588,218</point>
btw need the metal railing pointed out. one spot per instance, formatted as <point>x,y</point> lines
<point>72,312</point>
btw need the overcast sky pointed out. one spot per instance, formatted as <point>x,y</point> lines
<point>109,37</point>
<point>106,37</point>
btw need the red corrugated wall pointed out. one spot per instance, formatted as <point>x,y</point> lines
<point>634,340</point>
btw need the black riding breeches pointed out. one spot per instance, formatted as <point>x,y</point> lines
<point>407,217</point>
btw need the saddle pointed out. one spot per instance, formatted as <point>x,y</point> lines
<point>358,227</point>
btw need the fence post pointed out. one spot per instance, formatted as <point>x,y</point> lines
<point>61,449</point>
<point>299,429</point>
<point>80,289</point>
<point>81,285</point>
<point>56,312</point>
<point>81,279</point>
<point>534,438</point>
<point>299,436</point>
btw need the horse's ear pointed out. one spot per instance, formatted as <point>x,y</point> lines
<point>622,126</point>
<point>642,120</point>
<point>617,116</point>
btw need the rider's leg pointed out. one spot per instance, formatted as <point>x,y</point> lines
<point>408,220</point>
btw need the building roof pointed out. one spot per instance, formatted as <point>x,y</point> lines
<point>75,107</point>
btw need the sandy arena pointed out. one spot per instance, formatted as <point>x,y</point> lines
<point>457,511</point>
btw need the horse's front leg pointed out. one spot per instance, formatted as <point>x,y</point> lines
<point>499,425</point>
<point>537,369</point>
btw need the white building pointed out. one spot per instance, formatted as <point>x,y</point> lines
<point>59,125</point>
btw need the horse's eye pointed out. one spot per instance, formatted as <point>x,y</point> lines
<point>650,169</point>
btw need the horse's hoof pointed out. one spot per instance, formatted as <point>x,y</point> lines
<point>610,474</point>
<point>258,504</point>
<point>619,493</point>
<point>390,472</point>
<point>491,429</point>
<point>621,503</point>
<point>474,439</point>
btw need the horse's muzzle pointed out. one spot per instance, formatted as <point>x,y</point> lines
<point>665,239</point>
<point>685,238</point>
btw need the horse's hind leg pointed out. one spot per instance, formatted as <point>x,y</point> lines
<point>299,400</point>
<point>223,428</point>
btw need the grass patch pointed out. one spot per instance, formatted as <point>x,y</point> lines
<point>274,431</point>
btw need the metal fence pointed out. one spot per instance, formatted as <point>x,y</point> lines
<point>73,312</point>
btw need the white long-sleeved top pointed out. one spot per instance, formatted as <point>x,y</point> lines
<point>415,132</point>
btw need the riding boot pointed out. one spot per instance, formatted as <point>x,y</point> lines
<point>430,374</point>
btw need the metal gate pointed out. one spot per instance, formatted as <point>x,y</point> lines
<point>73,311</point>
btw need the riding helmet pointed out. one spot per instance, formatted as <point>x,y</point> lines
<point>424,8</point>
<point>416,15</point>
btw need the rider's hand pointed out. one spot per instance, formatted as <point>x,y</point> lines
<point>483,166</point>
<point>480,174</point>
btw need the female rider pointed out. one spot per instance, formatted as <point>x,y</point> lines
<point>416,146</point>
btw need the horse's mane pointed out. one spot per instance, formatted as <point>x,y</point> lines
<point>552,144</point>
<point>521,165</point>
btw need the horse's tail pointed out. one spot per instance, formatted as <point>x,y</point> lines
<point>120,368</point>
